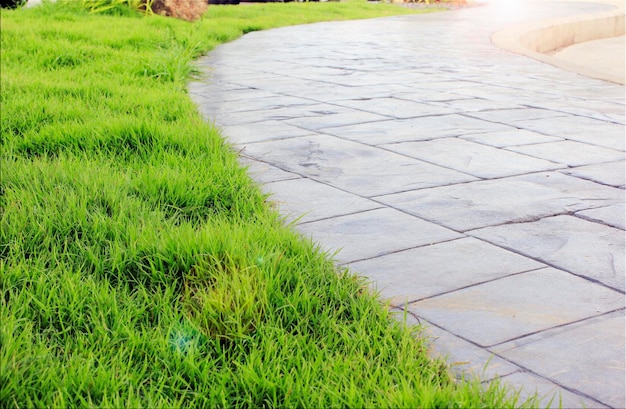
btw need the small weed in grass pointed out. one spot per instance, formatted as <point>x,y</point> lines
<point>139,264</point>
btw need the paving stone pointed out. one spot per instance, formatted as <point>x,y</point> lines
<point>351,166</point>
<point>492,202</point>
<point>261,103</point>
<point>512,115</point>
<point>466,360</point>
<point>510,138</point>
<point>610,215</point>
<point>511,307</point>
<point>427,271</point>
<point>472,158</point>
<point>547,392</point>
<point>613,174</point>
<point>395,108</point>
<point>264,131</point>
<point>316,113</point>
<point>584,248</point>
<point>263,172</point>
<point>581,129</point>
<point>415,129</point>
<point>587,356</point>
<point>331,119</point>
<point>570,153</point>
<point>304,200</point>
<point>374,233</point>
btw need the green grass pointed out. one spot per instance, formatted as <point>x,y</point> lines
<point>141,267</point>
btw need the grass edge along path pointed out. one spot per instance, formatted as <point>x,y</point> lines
<point>139,264</point>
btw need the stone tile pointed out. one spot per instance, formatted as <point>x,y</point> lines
<point>613,174</point>
<point>264,103</point>
<point>374,233</point>
<point>511,307</point>
<point>510,138</point>
<point>415,129</point>
<point>264,131</point>
<point>334,118</point>
<point>466,360</point>
<point>304,200</point>
<point>570,153</point>
<point>352,166</point>
<point>263,172</point>
<point>610,215</point>
<point>491,202</point>
<point>470,105</point>
<point>395,108</point>
<point>426,95</point>
<point>584,248</point>
<point>511,115</point>
<point>547,392</point>
<point>472,158</point>
<point>581,129</point>
<point>333,92</point>
<point>427,271</point>
<point>587,356</point>
<point>316,113</point>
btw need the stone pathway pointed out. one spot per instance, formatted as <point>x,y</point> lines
<point>481,190</point>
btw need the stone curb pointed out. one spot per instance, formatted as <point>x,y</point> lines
<point>537,40</point>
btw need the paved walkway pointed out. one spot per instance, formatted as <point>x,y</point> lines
<point>481,190</point>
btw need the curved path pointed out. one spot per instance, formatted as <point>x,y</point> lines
<point>481,190</point>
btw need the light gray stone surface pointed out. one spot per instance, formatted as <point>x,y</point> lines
<point>587,356</point>
<point>351,166</point>
<point>307,200</point>
<point>550,395</point>
<point>492,202</point>
<point>415,129</point>
<point>472,158</point>
<point>610,215</point>
<point>570,153</point>
<point>579,246</point>
<point>518,305</point>
<point>374,233</point>
<point>426,271</point>
<point>612,174</point>
<point>519,154</point>
<point>510,138</point>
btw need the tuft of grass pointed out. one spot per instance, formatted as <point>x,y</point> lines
<point>139,264</point>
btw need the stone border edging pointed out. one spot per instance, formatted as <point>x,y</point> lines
<point>537,39</point>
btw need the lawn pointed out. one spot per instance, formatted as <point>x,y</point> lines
<point>139,264</point>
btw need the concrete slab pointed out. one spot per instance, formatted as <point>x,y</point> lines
<point>352,166</point>
<point>469,206</point>
<point>586,357</point>
<point>466,360</point>
<point>581,129</point>
<point>510,138</point>
<point>581,247</point>
<point>305,200</point>
<point>513,115</point>
<point>611,215</point>
<point>264,131</point>
<point>394,107</point>
<point>472,158</point>
<point>422,272</point>
<point>515,306</point>
<point>550,394</point>
<point>263,172</point>
<point>415,129</point>
<point>612,174</point>
<point>374,233</point>
<point>570,153</point>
